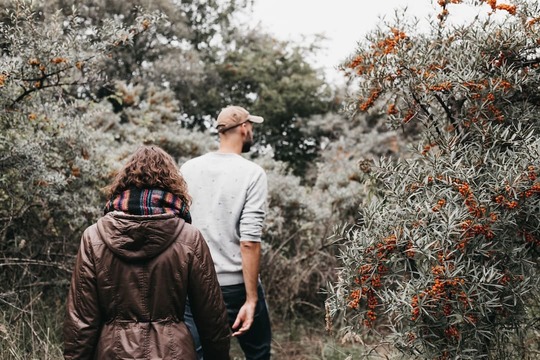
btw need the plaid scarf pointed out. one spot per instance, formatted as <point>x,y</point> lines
<point>136,201</point>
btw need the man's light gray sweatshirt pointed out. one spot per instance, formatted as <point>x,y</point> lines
<point>229,199</point>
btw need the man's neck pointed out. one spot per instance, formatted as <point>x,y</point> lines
<point>229,149</point>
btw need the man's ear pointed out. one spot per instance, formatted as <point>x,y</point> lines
<point>244,128</point>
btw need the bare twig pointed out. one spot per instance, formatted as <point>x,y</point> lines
<point>447,111</point>
<point>24,309</point>
<point>282,245</point>
<point>44,283</point>
<point>20,212</point>
<point>29,91</point>
<point>425,110</point>
<point>24,262</point>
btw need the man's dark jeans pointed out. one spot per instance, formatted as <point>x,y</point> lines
<point>256,342</point>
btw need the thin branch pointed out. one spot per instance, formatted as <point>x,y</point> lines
<point>448,112</point>
<point>318,250</point>
<point>42,78</point>
<point>10,304</point>
<point>23,262</point>
<point>29,91</point>
<point>20,212</point>
<point>59,71</point>
<point>44,75</point>
<point>425,110</point>
<point>525,63</point>
<point>282,245</point>
<point>23,310</point>
<point>44,283</point>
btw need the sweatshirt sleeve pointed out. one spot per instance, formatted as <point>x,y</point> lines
<point>82,322</point>
<point>207,305</point>
<point>254,212</point>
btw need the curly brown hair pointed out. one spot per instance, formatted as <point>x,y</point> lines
<point>150,167</point>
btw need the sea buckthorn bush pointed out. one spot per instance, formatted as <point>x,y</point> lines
<point>443,262</point>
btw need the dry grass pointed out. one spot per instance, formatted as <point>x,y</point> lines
<point>307,340</point>
<point>34,332</point>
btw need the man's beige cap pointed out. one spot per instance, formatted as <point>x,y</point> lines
<point>232,116</point>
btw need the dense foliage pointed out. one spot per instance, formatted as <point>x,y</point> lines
<point>444,263</point>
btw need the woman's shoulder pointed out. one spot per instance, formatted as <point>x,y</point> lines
<point>189,234</point>
<point>91,233</point>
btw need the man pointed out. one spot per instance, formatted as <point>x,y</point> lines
<point>229,197</point>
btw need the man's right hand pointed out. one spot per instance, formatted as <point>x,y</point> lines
<point>244,319</point>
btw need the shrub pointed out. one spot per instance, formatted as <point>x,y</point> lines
<point>444,263</point>
<point>50,167</point>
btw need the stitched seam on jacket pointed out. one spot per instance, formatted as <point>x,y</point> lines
<point>144,302</point>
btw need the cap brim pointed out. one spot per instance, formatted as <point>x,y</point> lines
<point>256,119</point>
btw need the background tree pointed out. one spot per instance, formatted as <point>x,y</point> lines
<point>273,78</point>
<point>445,260</point>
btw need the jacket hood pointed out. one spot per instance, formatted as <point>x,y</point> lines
<point>137,237</point>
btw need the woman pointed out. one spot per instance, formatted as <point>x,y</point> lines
<point>135,268</point>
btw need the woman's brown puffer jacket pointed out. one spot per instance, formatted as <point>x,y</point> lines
<point>129,288</point>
